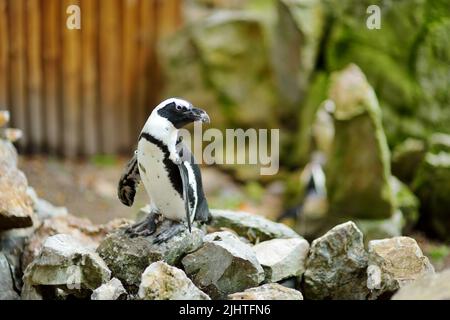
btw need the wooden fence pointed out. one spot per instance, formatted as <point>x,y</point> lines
<point>87,91</point>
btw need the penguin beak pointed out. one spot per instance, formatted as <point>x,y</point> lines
<point>198,114</point>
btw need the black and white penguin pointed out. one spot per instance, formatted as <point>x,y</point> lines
<point>168,171</point>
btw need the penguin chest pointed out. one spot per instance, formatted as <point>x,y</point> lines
<point>158,176</point>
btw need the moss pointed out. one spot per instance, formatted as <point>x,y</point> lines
<point>317,93</point>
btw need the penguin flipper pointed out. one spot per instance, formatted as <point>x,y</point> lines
<point>185,182</point>
<point>129,181</point>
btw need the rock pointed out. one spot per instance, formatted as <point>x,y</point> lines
<point>161,281</point>
<point>373,229</point>
<point>7,291</point>
<point>111,290</point>
<point>282,258</point>
<point>358,182</point>
<point>439,142</point>
<point>414,104</point>
<point>394,263</point>
<point>298,31</point>
<point>43,208</point>
<point>336,265</point>
<point>8,153</point>
<point>270,291</point>
<point>251,226</point>
<point>15,205</point>
<point>4,117</point>
<point>128,257</point>
<point>431,287</point>
<point>432,187</point>
<point>406,159</point>
<point>432,71</point>
<point>212,51</point>
<point>11,135</point>
<point>223,265</point>
<point>406,202</point>
<point>81,229</point>
<point>12,244</point>
<point>66,264</point>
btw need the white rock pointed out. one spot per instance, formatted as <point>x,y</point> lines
<point>270,291</point>
<point>112,290</point>
<point>282,258</point>
<point>161,281</point>
<point>65,263</point>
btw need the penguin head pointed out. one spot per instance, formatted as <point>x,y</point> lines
<point>180,112</point>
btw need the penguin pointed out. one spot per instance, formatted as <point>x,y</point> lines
<point>168,171</point>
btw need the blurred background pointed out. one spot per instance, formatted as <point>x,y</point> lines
<point>364,114</point>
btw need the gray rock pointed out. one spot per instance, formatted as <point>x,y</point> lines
<point>12,244</point>
<point>128,257</point>
<point>66,264</point>
<point>336,265</point>
<point>112,290</point>
<point>381,228</point>
<point>432,187</point>
<point>7,291</point>
<point>282,258</point>
<point>43,208</point>
<point>358,182</point>
<point>16,209</point>
<point>222,43</point>
<point>161,281</point>
<point>394,263</point>
<point>82,229</point>
<point>298,32</point>
<point>223,265</point>
<point>270,291</point>
<point>406,159</point>
<point>251,226</point>
<point>431,287</point>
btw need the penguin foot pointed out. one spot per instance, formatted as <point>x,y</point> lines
<point>143,228</point>
<point>169,233</point>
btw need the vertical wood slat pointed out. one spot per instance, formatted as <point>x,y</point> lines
<point>145,56</point>
<point>71,103</point>
<point>82,91</point>
<point>4,48</point>
<point>34,76</point>
<point>109,75</point>
<point>51,19</point>
<point>89,31</point>
<point>18,67</point>
<point>130,40</point>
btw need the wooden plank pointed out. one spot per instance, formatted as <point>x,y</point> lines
<point>130,40</point>
<point>145,58</point>
<point>90,85</point>
<point>52,24</point>
<point>4,48</point>
<point>34,77</point>
<point>109,73</point>
<point>169,17</point>
<point>18,68</point>
<point>71,70</point>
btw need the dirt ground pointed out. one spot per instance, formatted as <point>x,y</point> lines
<point>89,188</point>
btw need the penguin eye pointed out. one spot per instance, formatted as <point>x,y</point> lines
<point>178,107</point>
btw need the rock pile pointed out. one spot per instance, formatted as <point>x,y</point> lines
<point>46,253</point>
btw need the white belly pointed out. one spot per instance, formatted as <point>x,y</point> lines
<point>163,196</point>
